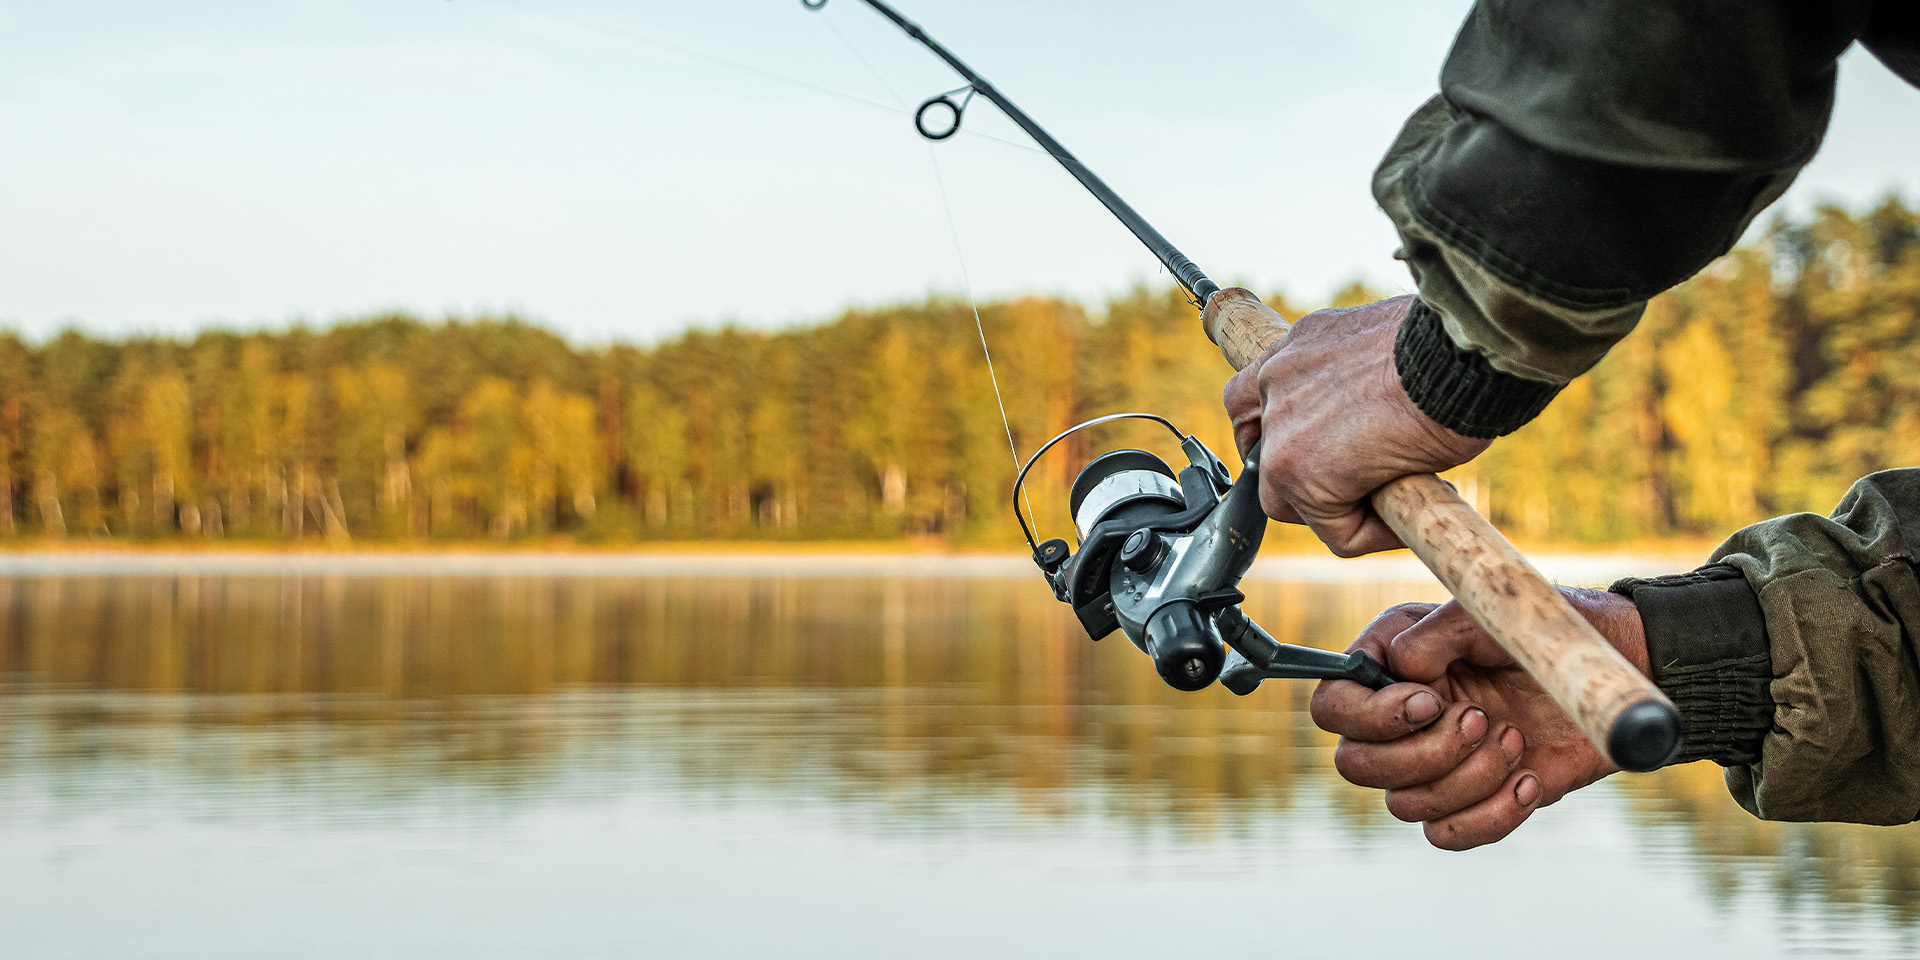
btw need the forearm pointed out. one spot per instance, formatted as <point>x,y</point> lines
<point>1532,265</point>
<point>1793,661</point>
<point>1558,182</point>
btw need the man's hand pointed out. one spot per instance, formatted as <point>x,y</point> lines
<point>1470,745</point>
<point>1338,425</point>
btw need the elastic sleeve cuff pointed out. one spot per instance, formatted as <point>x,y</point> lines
<point>1708,646</point>
<point>1458,388</point>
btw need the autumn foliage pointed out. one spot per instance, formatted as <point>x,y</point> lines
<point>1766,385</point>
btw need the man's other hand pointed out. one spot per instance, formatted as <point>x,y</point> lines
<point>1469,744</point>
<point>1338,425</point>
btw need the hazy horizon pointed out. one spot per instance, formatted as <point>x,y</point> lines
<point>216,164</point>
<point>643,338</point>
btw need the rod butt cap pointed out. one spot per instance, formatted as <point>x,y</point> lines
<point>1646,736</point>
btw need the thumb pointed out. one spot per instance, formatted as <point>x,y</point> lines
<point>1448,635</point>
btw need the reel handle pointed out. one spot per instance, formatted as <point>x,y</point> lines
<point>1258,656</point>
<point>1620,710</point>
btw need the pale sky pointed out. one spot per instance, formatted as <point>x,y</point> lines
<point>166,166</point>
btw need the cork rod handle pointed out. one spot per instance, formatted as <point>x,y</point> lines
<point>1624,714</point>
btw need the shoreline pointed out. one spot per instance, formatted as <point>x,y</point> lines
<point>805,561</point>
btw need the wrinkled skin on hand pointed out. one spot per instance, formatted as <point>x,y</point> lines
<point>1469,745</point>
<point>1338,425</point>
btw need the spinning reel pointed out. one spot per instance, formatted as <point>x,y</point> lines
<point>1161,555</point>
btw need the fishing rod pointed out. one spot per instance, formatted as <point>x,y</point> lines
<point>1161,553</point>
<point>1184,270</point>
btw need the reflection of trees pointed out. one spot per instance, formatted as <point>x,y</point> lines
<point>915,704</point>
<point>930,692</point>
<point>1841,863</point>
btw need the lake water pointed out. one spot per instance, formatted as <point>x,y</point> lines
<point>500,758</point>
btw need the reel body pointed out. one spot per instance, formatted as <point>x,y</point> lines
<point>1160,559</point>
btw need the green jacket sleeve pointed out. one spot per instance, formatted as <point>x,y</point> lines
<point>1582,157</point>
<point>1794,660</point>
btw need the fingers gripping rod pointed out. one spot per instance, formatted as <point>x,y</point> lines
<point>1183,269</point>
<point>1621,711</point>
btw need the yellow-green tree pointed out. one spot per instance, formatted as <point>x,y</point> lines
<point>1767,384</point>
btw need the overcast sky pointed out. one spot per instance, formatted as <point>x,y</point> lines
<point>171,165</point>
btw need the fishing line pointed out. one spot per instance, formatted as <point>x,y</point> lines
<point>713,58</point>
<point>635,36</point>
<point>878,77</point>
<point>1200,289</point>
<point>946,203</point>
<point>953,228</point>
<point>959,251</point>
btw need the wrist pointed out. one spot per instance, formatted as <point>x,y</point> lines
<point>1617,618</point>
<point>1707,643</point>
<point>1459,389</point>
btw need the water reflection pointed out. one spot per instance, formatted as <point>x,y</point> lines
<point>946,687</point>
<point>947,711</point>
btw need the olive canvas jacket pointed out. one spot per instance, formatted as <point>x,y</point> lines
<point>1581,157</point>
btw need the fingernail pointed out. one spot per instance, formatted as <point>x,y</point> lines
<point>1473,724</point>
<point>1527,790</point>
<point>1512,743</point>
<point>1422,707</point>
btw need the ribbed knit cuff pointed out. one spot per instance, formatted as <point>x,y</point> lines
<point>1707,643</point>
<point>1458,388</point>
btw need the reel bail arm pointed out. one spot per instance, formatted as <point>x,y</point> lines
<point>1160,559</point>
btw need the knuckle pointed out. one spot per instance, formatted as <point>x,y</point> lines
<point>1467,752</point>
<point>1396,619</point>
<point>1321,706</point>
<point>1282,467</point>
<point>1472,781</point>
<point>1414,805</point>
<point>1312,322</point>
<point>1352,762</point>
<point>1406,806</point>
<point>1271,502</point>
<point>1245,434</point>
<point>1238,393</point>
<point>1338,537</point>
<point>1410,613</point>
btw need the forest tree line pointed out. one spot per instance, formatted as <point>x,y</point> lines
<point>1765,385</point>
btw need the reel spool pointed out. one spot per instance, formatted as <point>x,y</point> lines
<point>1133,489</point>
<point>1130,484</point>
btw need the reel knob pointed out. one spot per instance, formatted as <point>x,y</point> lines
<point>1052,555</point>
<point>1185,646</point>
<point>1142,551</point>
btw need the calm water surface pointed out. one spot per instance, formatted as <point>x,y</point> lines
<point>809,761</point>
